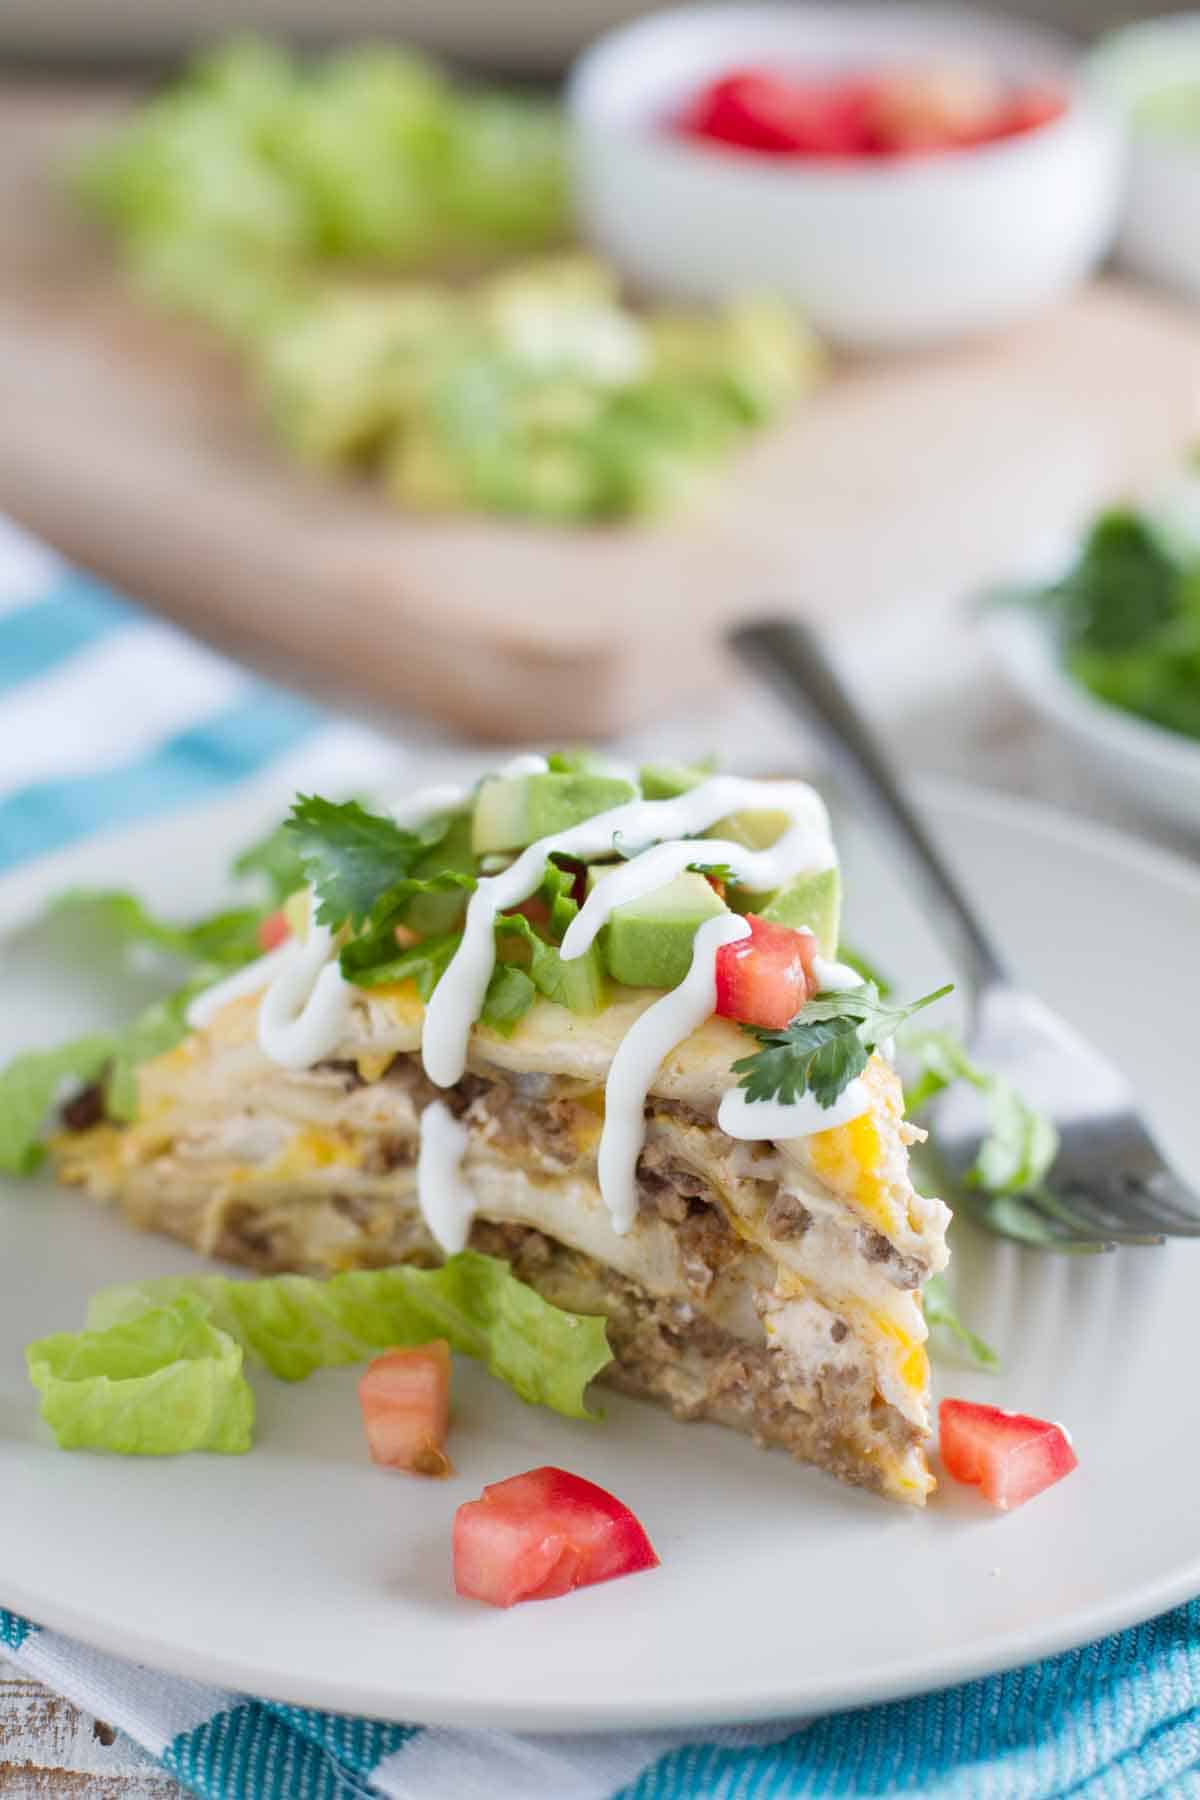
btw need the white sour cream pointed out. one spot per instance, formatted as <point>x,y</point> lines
<point>446,1201</point>
<point>249,980</point>
<point>740,1117</point>
<point>305,1012</point>
<point>427,804</point>
<point>649,1039</point>
<point>834,977</point>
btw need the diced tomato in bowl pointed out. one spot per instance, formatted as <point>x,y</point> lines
<point>764,979</point>
<point>405,1399</point>
<point>1010,1457</point>
<point>541,1534</point>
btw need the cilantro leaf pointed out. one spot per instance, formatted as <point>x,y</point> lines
<point>276,860</point>
<point>717,871</point>
<point>940,1315</point>
<point>825,1047</point>
<point>1019,1150</point>
<point>509,997</point>
<point>353,857</point>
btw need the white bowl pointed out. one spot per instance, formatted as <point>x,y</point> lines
<point>1159,233</point>
<point>1158,769</point>
<point>879,254</point>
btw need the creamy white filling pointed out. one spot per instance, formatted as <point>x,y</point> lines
<point>446,1201</point>
<point>639,1053</point>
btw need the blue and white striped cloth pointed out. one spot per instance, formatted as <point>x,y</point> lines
<point>107,717</point>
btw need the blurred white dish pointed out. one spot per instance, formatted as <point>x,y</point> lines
<point>877,254</point>
<point>1157,768</point>
<point>1159,233</point>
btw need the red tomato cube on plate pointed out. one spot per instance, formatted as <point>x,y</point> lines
<point>405,1398</point>
<point>1010,1457</point>
<point>764,979</point>
<point>541,1534</point>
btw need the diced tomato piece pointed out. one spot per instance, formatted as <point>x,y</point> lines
<point>764,979</point>
<point>274,930</point>
<point>931,109</point>
<point>756,110</point>
<point>539,1535</point>
<point>405,1398</point>
<point>1010,1457</point>
<point>1026,110</point>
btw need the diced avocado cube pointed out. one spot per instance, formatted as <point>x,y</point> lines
<point>512,811</point>
<point>757,830</point>
<point>648,942</point>
<point>666,781</point>
<point>812,902</point>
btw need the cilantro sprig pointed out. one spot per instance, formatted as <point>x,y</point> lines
<point>355,858</point>
<point>825,1047</point>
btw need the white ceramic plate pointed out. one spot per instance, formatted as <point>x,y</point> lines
<point>302,1573</point>
<point>1156,768</point>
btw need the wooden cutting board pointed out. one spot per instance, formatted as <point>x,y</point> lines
<point>130,443</point>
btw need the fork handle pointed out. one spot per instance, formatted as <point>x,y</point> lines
<point>787,654</point>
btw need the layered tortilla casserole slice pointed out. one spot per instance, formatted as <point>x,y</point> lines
<point>525,1043</point>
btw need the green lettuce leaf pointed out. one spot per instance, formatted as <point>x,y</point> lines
<point>509,996</point>
<point>1018,1152</point>
<point>275,861</point>
<point>423,964</point>
<point>941,1315</point>
<point>227,939</point>
<point>376,946</point>
<point>296,1324</point>
<point>162,1383</point>
<point>29,1087</point>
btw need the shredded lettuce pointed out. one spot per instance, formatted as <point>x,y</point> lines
<point>164,1382</point>
<point>295,1324</point>
<point>274,860</point>
<point>29,1087</point>
<point>1017,1154</point>
<point>510,994</point>
<point>227,939</point>
<point>941,1315</point>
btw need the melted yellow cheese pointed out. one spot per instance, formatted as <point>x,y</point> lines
<point>311,1149</point>
<point>850,1159</point>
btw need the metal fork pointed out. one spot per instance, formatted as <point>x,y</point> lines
<point>1109,1183</point>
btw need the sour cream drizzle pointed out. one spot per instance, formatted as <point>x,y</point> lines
<point>446,1201</point>
<point>648,1040</point>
